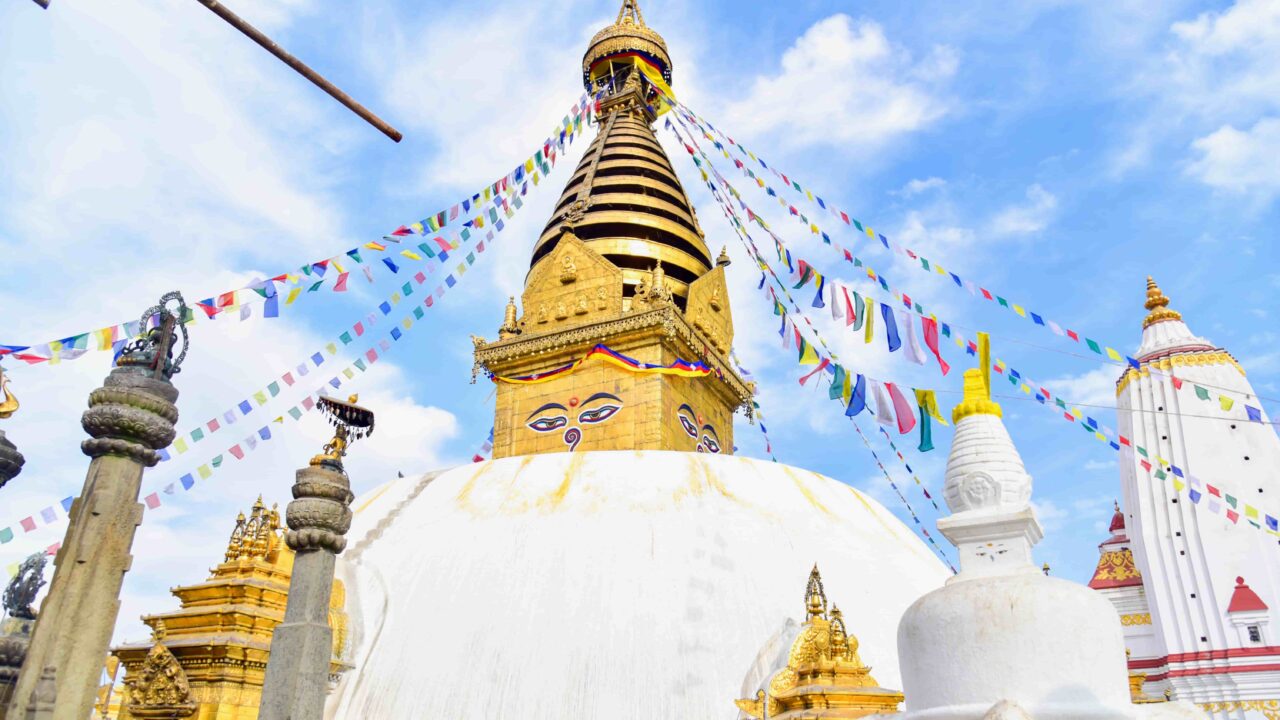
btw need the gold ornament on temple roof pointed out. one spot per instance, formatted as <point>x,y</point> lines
<point>627,33</point>
<point>1158,304</point>
<point>824,676</point>
<point>723,259</point>
<point>255,537</point>
<point>160,689</point>
<point>510,324</point>
<point>9,405</point>
<point>350,422</point>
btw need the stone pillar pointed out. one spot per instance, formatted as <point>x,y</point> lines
<point>129,418</point>
<point>298,669</point>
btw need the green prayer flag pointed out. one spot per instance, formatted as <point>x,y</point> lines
<point>197,435</point>
<point>859,310</point>
<point>6,535</point>
<point>924,263</point>
<point>1093,345</point>
<point>1141,451</point>
<point>345,338</point>
<point>1002,301</point>
<point>1202,393</point>
<point>315,286</point>
<point>1231,500</point>
<point>274,388</point>
<point>294,412</point>
<point>407,289</point>
<point>217,461</point>
<point>359,363</point>
<point>426,250</point>
<point>837,384</point>
<point>418,312</point>
<point>1160,474</point>
<point>926,431</point>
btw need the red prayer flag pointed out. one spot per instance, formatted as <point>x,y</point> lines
<point>53,549</point>
<point>401,231</point>
<point>153,501</point>
<point>930,329</point>
<point>226,299</point>
<point>1072,334</point>
<point>901,408</point>
<point>28,524</point>
<point>443,245</point>
<point>1213,490</point>
<point>237,451</point>
<point>848,257</point>
<point>477,458</point>
<point>288,379</point>
<point>419,277</point>
<point>844,217</point>
<point>341,284</point>
<point>986,294</point>
<point>1177,382</point>
<point>213,425</point>
<point>1233,516</point>
<point>359,328</point>
<point>1124,440</point>
<point>849,317</point>
<point>821,366</point>
<point>1145,465</point>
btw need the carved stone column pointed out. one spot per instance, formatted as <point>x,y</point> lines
<point>298,668</point>
<point>129,418</point>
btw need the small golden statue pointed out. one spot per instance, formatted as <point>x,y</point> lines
<point>542,313</point>
<point>602,298</point>
<point>561,311</point>
<point>350,422</point>
<point>568,269</point>
<point>581,308</point>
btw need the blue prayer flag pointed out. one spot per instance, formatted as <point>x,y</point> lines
<point>245,407</point>
<point>858,400</point>
<point>391,265</point>
<point>66,503</point>
<point>385,307</point>
<point>1255,414</point>
<point>188,481</point>
<point>890,328</point>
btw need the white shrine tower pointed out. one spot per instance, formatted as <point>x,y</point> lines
<point>1212,582</point>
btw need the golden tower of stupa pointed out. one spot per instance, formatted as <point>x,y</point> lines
<point>622,263</point>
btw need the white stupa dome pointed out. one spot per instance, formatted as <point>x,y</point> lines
<point>627,584</point>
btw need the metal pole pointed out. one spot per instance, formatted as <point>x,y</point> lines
<point>270,46</point>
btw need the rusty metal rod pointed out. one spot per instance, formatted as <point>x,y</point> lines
<point>270,46</point>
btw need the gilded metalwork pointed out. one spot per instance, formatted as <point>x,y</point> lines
<point>1270,709</point>
<point>159,689</point>
<point>627,34</point>
<point>1186,359</point>
<point>8,403</point>
<point>1115,568</point>
<point>1135,619</point>
<point>350,423</point>
<point>1158,304</point>
<point>824,677</point>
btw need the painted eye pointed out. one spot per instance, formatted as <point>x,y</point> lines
<point>688,426</point>
<point>600,414</point>
<point>700,448</point>
<point>710,443</point>
<point>547,424</point>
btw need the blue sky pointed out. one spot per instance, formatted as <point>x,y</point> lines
<point>1057,152</point>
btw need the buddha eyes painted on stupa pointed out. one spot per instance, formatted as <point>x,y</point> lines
<point>553,416</point>
<point>703,434</point>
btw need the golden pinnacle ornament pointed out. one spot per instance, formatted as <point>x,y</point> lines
<point>351,422</point>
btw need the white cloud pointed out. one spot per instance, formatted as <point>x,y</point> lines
<point>844,84</point>
<point>917,186</point>
<point>1097,465</point>
<point>1240,160</point>
<point>1095,387</point>
<point>1050,515</point>
<point>1029,217</point>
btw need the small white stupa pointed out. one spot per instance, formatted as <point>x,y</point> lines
<point>1001,639</point>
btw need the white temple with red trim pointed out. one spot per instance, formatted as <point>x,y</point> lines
<point>1192,566</point>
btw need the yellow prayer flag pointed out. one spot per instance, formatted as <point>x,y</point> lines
<point>395,298</point>
<point>810,356</point>
<point>407,323</point>
<point>336,265</point>
<point>180,445</point>
<point>293,295</point>
<point>928,400</point>
<point>847,391</point>
<point>332,348</point>
<point>411,255</point>
<point>814,229</point>
<point>1076,411</point>
<point>871,318</point>
<point>1026,389</point>
<point>348,373</point>
<point>1178,485</point>
<point>871,233</point>
<point>1226,402</point>
<point>204,472</point>
<point>1111,353</point>
<point>1018,309</point>
<point>528,165</point>
<point>260,397</point>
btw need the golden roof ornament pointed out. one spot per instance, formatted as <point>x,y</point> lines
<point>510,324</point>
<point>160,690</point>
<point>350,422</point>
<point>9,403</point>
<point>628,34</point>
<point>723,259</point>
<point>1158,304</point>
<point>977,386</point>
<point>815,598</point>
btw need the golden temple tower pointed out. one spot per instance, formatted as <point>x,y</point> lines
<point>622,263</point>
<point>823,677</point>
<point>206,660</point>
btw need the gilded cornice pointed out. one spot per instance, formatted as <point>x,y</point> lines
<point>1270,709</point>
<point>1116,568</point>
<point>1135,619</point>
<point>1167,364</point>
<point>502,356</point>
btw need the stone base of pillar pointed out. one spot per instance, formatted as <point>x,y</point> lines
<point>15,635</point>
<point>296,696</point>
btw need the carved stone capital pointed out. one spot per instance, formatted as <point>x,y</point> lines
<point>131,415</point>
<point>320,513</point>
<point>11,460</point>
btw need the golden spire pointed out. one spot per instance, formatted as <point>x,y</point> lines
<point>977,386</point>
<point>723,259</point>
<point>1158,304</point>
<point>509,324</point>
<point>815,598</point>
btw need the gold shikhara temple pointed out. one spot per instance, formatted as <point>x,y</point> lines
<point>823,677</point>
<point>622,263</point>
<point>206,660</point>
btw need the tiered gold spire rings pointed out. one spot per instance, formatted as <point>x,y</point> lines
<point>1158,304</point>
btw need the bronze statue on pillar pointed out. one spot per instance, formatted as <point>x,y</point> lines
<point>129,418</point>
<point>20,616</point>
<point>318,519</point>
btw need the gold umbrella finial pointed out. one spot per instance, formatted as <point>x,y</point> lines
<point>8,403</point>
<point>1158,304</point>
<point>350,421</point>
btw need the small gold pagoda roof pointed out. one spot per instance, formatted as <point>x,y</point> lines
<point>1158,304</point>
<point>824,677</point>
